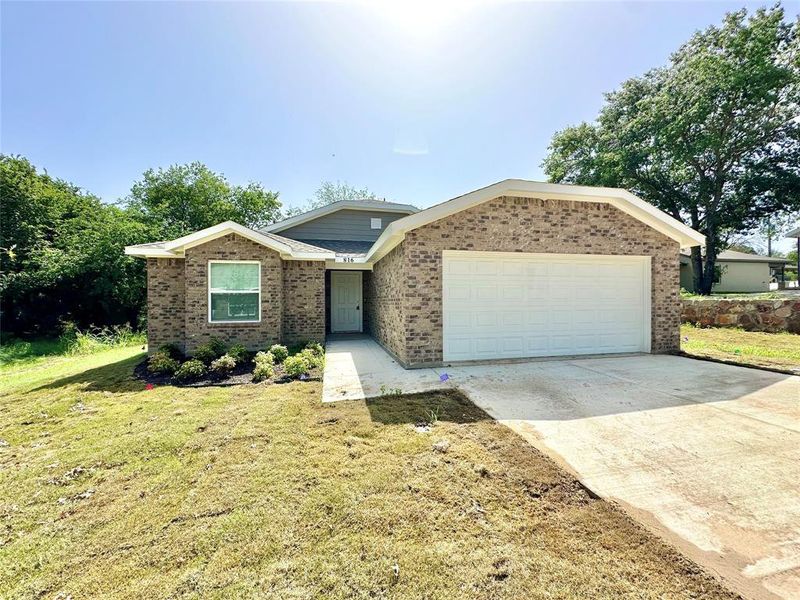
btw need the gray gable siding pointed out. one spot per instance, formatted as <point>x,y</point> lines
<point>344,224</point>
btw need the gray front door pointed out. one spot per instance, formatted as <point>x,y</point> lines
<point>346,301</point>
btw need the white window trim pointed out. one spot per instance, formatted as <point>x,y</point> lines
<point>376,223</point>
<point>208,285</point>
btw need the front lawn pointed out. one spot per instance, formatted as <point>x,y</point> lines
<point>110,490</point>
<point>776,350</point>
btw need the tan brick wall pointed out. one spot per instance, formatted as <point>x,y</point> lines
<point>292,298</point>
<point>524,225</point>
<point>384,293</point>
<point>165,302</point>
<point>303,301</point>
<point>253,335</point>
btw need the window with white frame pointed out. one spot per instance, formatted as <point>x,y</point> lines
<point>375,223</point>
<point>234,291</point>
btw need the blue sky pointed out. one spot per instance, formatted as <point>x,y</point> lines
<point>416,100</point>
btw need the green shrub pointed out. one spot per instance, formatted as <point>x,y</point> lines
<point>263,370</point>
<point>171,350</point>
<point>218,346</point>
<point>264,357</point>
<point>238,352</point>
<point>204,353</point>
<point>313,359</point>
<point>279,352</point>
<point>191,369</point>
<point>161,363</point>
<point>223,365</point>
<point>210,351</point>
<point>296,365</point>
<point>316,348</point>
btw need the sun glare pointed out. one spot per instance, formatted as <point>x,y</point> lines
<point>421,18</point>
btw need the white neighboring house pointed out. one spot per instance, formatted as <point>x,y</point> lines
<point>738,272</point>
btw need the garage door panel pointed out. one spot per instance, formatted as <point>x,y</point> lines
<point>543,305</point>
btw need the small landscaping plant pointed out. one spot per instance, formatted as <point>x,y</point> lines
<point>191,370</point>
<point>316,348</point>
<point>265,366</point>
<point>279,352</point>
<point>296,365</point>
<point>312,358</point>
<point>223,365</point>
<point>210,351</point>
<point>238,352</point>
<point>171,350</point>
<point>161,363</point>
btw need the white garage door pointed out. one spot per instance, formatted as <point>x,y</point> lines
<point>508,305</point>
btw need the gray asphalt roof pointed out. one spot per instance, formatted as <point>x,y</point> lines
<point>344,247</point>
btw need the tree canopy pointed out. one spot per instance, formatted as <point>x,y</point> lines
<point>185,198</point>
<point>713,138</point>
<point>62,249</point>
<point>330,192</point>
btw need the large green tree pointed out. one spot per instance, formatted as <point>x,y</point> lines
<point>713,138</point>
<point>184,198</point>
<point>61,254</point>
<point>329,192</point>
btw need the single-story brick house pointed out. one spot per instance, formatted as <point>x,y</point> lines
<point>513,270</point>
<point>737,272</point>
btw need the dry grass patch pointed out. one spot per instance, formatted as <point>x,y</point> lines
<point>107,490</point>
<point>776,350</point>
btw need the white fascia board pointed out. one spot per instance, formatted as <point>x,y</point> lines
<point>177,247</point>
<point>794,233</point>
<point>211,233</point>
<point>335,207</point>
<point>149,252</point>
<point>621,199</point>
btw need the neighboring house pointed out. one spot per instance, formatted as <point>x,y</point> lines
<point>737,272</point>
<point>516,269</point>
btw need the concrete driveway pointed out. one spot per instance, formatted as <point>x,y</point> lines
<point>707,455</point>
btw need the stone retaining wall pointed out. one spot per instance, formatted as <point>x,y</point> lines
<point>750,315</point>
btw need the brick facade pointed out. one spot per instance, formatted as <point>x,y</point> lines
<point>165,302</point>
<point>403,292</point>
<point>303,301</point>
<point>384,295</point>
<point>292,298</point>
<point>518,225</point>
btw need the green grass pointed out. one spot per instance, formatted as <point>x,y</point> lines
<point>108,490</point>
<point>777,350</point>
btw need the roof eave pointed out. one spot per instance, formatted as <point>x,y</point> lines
<point>332,208</point>
<point>621,199</point>
<point>177,247</point>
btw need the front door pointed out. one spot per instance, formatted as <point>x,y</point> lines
<point>346,301</point>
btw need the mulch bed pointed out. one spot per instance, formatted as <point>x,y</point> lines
<point>242,374</point>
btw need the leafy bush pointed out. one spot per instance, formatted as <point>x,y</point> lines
<point>210,351</point>
<point>238,352</point>
<point>223,365</point>
<point>171,350</point>
<point>264,357</point>
<point>265,366</point>
<point>279,352</point>
<point>191,369</point>
<point>316,348</point>
<point>296,365</point>
<point>161,363</point>
<point>313,359</point>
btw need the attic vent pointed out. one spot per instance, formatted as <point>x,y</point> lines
<point>375,223</point>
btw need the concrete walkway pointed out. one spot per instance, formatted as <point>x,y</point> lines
<point>707,455</point>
